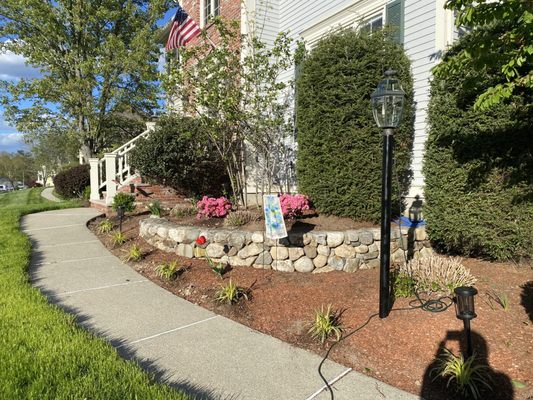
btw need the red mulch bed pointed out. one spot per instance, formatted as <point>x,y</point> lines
<point>399,350</point>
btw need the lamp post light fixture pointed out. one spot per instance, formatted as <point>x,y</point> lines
<point>387,107</point>
<point>415,211</point>
<point>464,309</point>
<point>120,214</point>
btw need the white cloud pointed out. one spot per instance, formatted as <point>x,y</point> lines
<point>13,67</point>
<point>11,142</point>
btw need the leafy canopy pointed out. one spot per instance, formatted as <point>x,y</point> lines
<point>505,48</point>
<point>97,59</point>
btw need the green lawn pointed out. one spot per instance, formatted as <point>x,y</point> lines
<point>43,353</point>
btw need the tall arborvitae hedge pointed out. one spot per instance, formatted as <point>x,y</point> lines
<point>339,145</point>
<point>479,168</point>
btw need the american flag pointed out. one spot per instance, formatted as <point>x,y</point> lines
<point>183,29</point>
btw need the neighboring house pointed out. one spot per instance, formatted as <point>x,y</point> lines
<point>45,177</point>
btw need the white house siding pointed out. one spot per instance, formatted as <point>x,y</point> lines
<point>427,30</point>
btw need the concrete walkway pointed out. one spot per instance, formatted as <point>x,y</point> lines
<point>185,345</point>
<point>48,194</point>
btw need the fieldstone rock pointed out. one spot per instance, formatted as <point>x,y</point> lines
<point>366,238</point>
<point>209,235</point>
<point>426,252</point>
<point>308,239</point>
<point>376,233</point>
<point>295,253</point>
<point>261,266</point>
<point>283,266</point>
<point>176,234</point>
<point>394,234</point>
<point>345,251</point>
<point>371,264</point>
<point>224,260</point>
<point>215,250</point>
<point>320,261</point>
<point>258,237</point>
<point>420,234</point>
<point>403,242</point>
<point>319,237</point>
<point>352,236</point>
<point>310,251</point>
<point>162,232</point>
<point>357,243</point>
<point>373,247</point>
<point>184,250</point>
<point>239,262</point>
<point>191,235</point>
<point>304,264</point>
<point>231,251</point>
<point>370,255</point>
<point>237,240</point>
<point>279,253</point>
<point>325,269</point>
<point>361,249</point>
<point>352,265</point>
<point>335,239</point>
<point>199,252</point>
<point>336,262</point>
<point>152,230</point>
<point>323,250</point>
<point>393,246</point>
<point>221,237</point>
<point>398,256</point>
<point>252,249</point>
<point>264,258</point>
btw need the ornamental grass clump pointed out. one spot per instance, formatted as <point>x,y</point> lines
<point>155,208</point>
<point>326,323</point>
<point>438,274</point>
<point>213,207</point>
<point>105,226</point>
<point>118,238</point>
<point>168,271</point>
<point>240,218</point>
<point>294,205</point>
<point>134,253</point>
<point>230,293</point>
<point>468,376</point>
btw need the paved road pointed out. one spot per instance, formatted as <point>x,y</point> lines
<point>183,344</point>
<point>48,193</point>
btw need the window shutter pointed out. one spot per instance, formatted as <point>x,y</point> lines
<point>395,19</point>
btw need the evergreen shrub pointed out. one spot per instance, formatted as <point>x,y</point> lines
<point>478,168</point>
<point>339,145</point>
<point>178,154</point>
<point>71,183</point>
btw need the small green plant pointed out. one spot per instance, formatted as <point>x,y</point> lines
<point>118,238</point>
<point>105,226</point>
<point>403,285</point>
<point>467,375</point>
<point>134,253</point>
<point>241,217</point>
<point>155,208</point>
<point>182,211</point>
<point>500,298</point>
<point>218,268</point>
<point>326,323</point>
<point>125,200</point>
<point>230,293</point>
<point>168,271</point>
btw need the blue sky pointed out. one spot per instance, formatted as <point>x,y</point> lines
<point>14,68</point>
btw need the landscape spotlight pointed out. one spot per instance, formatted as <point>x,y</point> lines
<point>464,309</point>
<point>387,108</point>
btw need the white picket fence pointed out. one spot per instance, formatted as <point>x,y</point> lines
<point>113,170</point>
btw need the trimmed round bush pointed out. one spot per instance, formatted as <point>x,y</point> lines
<point>339,145</point>
<point>178,154</point>
<point>72,182</point>
<point>478,168</point>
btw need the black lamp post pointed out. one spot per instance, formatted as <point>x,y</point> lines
<point>387,107</point>
<point>464,309</point>
<point>120,214</point>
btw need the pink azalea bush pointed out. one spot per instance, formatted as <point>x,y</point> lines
<point>213,207</point>
<point>294,205</point>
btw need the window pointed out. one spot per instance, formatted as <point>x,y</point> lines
<point>209,9</point>
<point>373,24</point>
<point>394,12</point>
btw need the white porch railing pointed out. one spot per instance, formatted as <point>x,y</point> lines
<point>113,170</point>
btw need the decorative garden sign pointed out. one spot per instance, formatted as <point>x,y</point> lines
<point>274,223</point>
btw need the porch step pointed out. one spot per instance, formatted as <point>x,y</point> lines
<point>100,205</point>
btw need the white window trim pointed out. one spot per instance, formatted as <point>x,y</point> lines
<point>362,10</point>
<point>202,11</point>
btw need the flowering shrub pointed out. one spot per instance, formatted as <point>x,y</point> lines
<point>293,205</point>
<point>211,207</point>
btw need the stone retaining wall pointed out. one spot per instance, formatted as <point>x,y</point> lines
<point>304,252</point>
